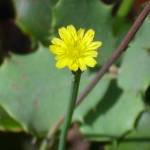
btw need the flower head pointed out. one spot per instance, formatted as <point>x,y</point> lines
<point>75,49</point>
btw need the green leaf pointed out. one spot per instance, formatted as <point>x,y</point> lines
<point>143,128</point>
<point>87,14</point>
<point>135,72</point>
<point>113,115</point>
<point>34,91</point>
<point>34,17</point>
<point>138,138</point>
<point>7,123</point>
<point>135,76</point>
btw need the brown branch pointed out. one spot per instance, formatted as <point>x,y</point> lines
<point>117,53</point>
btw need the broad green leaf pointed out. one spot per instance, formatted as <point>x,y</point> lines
<point>135,71</point>
<point>139,138</point>
<point>143,128</point>
<point>87,14</point>
<point>113,115</point>
<point>34,17</point>
<point>35,92</point>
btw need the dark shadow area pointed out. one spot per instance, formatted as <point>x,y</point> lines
<point>12,38</point>
<point>114,3</point>
<point>110,98</point>
<point>97,146</point>
<point>16,141</point>
<point>7,10</point>
<point>147,96</point>
<point>109,1</point>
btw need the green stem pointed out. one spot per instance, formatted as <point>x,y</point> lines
<point>71,106</point>
<point>121,15</point>
<point>125,8</point>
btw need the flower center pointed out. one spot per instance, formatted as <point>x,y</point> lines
<point>75,53</point>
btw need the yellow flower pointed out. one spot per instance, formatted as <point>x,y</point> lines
<point>75,49</point>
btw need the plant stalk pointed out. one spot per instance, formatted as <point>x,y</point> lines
<point>125,7</point>
<point>121,15</point>
<point>71,106</point>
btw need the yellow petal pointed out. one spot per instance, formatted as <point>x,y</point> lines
<point>91,53</point>
<point>80,33</point>
<point>91,62</point>
<point>65,35</point>
<point>57,41</point>
<point>56,49</point>
<point>88,37</point>
<point>82,64</point>
<point>73,66</point>
<point>72,30</point>
<point>60,57</point>
<point>94,45</point>
<point>61,63</point>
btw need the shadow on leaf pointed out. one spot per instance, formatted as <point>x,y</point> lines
<point>110,98</point>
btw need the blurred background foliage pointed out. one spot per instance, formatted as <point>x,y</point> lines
<point>34,94</point>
